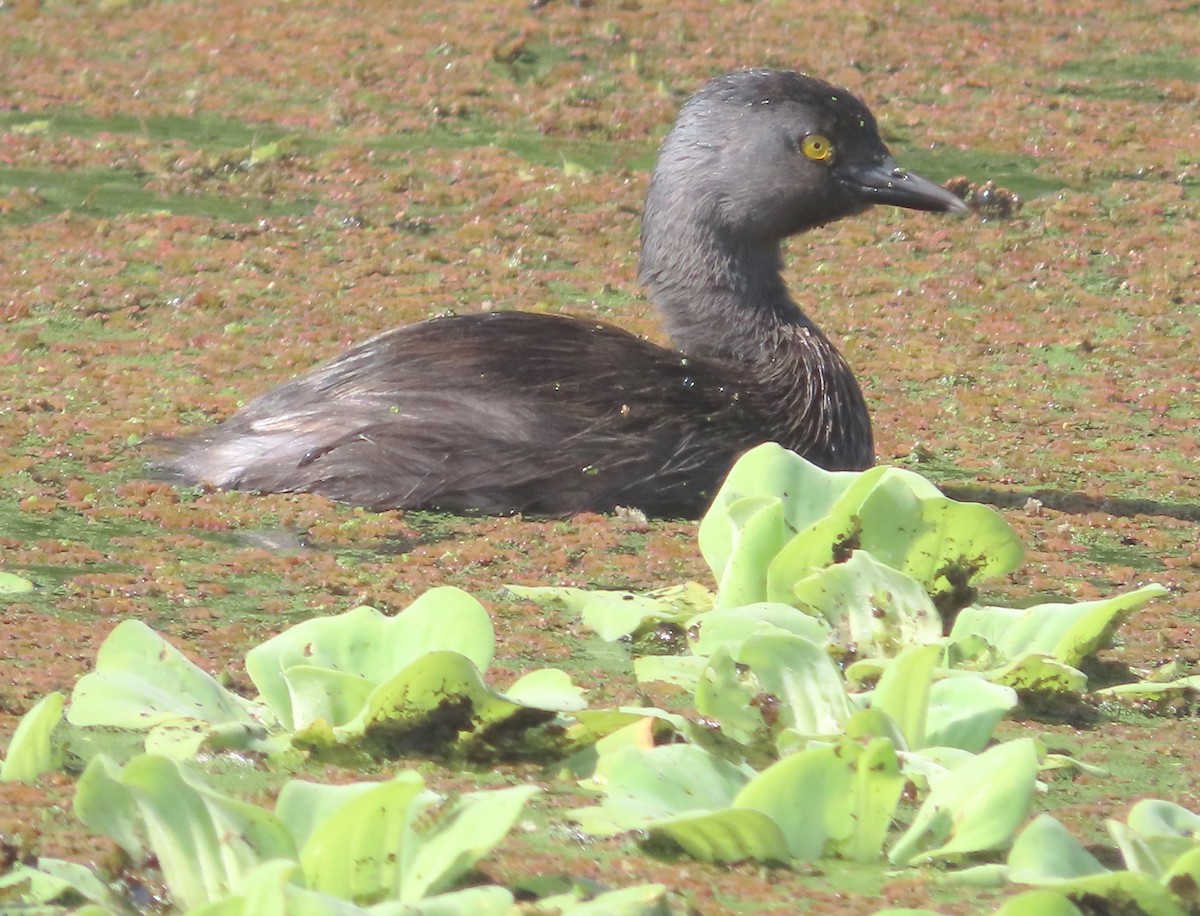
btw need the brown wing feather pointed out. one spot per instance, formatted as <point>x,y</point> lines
<point>434,415</point>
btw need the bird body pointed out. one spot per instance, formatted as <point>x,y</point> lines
<point>518,412</point>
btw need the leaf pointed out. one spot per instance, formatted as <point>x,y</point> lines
<point>964,711</point>
<point>648,786</point>
<point>204,841</point>
<point>708,631</point>
<point>547,688</point>
<point>12,584</point>
<point>681,670</point>
<point>373,841</point>
<point>640,900</point>
<point>50,881</point>
<point>142,681</point>
<point>759,531</point>
<point>768,475</point>
<point>1038,674</point>
<point>728,835</point>
<point>473,901</point>
<point>1152,690</point>
<point>977,806</point>
<point>367,644</point>
<point>870,606</point>
<point>302,805</point>
<point>1155,835</point>
<point>830,799</point>
<point>106,805</point>
<point>469,828</point>
<point>31,752</point>
<point>1067,632</point>
<point>1039,903</point>
<point>360,843</point>
<point>325,695</point>
<point>434,701</point>
<point>1046,853</point>
<point>903,691</point>
<point>1186,868</point>
<point>792,678</point>
<point>905,523</point>
<point>616,614</point>
<point>1111,892</point>
<point>269,888</point>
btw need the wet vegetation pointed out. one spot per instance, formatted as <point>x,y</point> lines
<point>196,206</point>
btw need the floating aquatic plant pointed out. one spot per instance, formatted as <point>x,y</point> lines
<point>841,659</point>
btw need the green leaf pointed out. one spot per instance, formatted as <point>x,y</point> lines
<point>106,805</point>
<point>463,833</point>
<point>903,522</point>
<point>269,888</point>
<point>547,688</point>
<point>473,901</point>
<point>141,681</point>
<point>12,584</point>
<point>1111,892</point>
<point>360,843</point>
<point>436,700</point>
<point>707,632</point>
<point>903,691</point>
<point>759,531</point>
<point>1046,853</point>
<point>1067,632</point>
<point>1039,903</point>
<point>1163,692</point>
<point>791,677</point>
<point>1155,835</point>
<point>371,842</point>
<point>648,786</point>
<point>977,806</point>
<point>830,799</point>
<point>1038,674</point>
<point>728,835</point>
<point>767,475</point>
<point>616,614</point>
<point>681,670</point>
<point>303,805</point>
<point>31,752</point>
<point>641,900</point>
<point>50,881</point>
<point>367,644</point>
<point>204,841</point>
<point>1186,867</point>
<point>325,695</point>
<point>868,605</point>
<point>964,711</point>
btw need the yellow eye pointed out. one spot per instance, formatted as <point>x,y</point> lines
<point>817,148</point>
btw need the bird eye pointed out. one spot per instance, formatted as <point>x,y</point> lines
<point>817,148</point>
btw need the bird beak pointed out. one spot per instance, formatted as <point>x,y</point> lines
<point>885,182</point>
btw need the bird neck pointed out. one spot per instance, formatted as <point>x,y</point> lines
<point>726,300</point>
<point>719,296</point>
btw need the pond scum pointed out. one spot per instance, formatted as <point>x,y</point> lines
<point>838,692</point>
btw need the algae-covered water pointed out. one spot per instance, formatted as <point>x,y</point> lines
<point>199,201</point>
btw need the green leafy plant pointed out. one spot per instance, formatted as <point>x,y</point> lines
<point>361,843</point>
<point>881,558</point>
<point>12,584</point>
<point>409,683</point>
<point>842,688</point>
<point>32,750</point>
<point>1159,844</point>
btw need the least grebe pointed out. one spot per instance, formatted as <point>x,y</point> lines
<point>519,412</point>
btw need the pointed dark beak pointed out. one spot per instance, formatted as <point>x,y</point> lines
<point>885,182</point>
